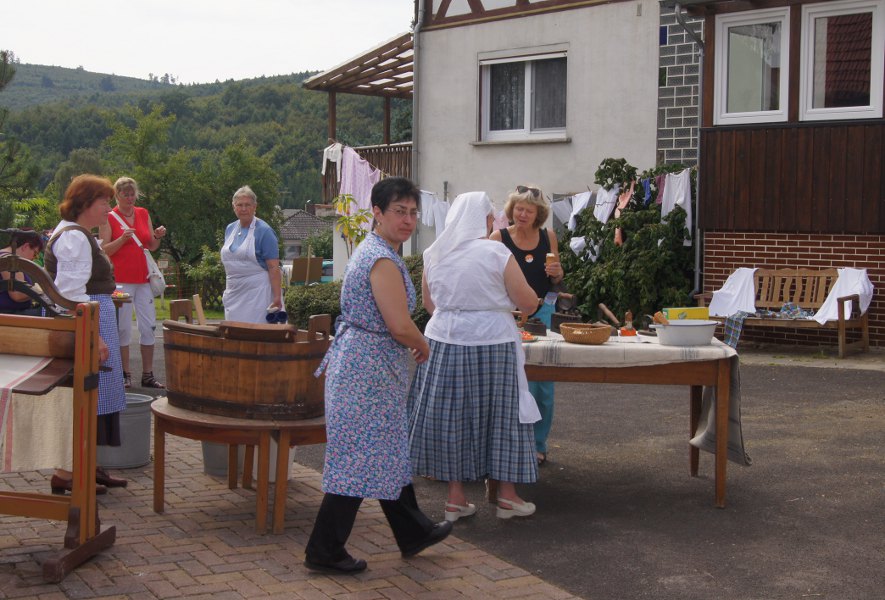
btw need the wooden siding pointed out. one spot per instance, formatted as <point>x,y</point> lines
<point>477,13</point>
<point>807,178</point>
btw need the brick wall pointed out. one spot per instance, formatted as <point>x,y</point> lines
<point>724,251</point>
<point>679,82</point>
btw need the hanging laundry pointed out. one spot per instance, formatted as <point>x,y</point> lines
<point>605,203</point>
<point>646,187</point>
<point>579,203</point>
<point>660,183</point>
<point>440,210</point>
<point>677,192</point>
<point>357,179</point>
<point>562,209</point>
<point>428,199</point>
<point>333,154</point>
<point>623,201</point>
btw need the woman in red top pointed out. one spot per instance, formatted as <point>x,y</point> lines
<point>126,222</point>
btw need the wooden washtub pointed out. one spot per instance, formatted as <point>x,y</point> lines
<point>245,370</point>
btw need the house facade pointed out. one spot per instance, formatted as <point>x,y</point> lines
<point>791,157</point>
<point>514,92</point>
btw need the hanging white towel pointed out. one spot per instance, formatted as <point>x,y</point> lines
<point>738,293</point>
<point>440,210</point>
<point>850,281</point>
<point>579,203</point>
<point>562,209</point>
<point>605,203</point>
<point>428,199</point>
<point>333,154</point>
<point>677,192</point>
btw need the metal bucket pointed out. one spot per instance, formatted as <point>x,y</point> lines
<point>135,436</point>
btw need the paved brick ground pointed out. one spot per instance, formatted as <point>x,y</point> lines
<point>205,546</point>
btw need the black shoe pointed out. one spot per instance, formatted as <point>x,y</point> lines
<point>439,532</point>
<point>345,566</point>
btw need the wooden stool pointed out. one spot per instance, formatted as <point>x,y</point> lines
<point>181,308</point>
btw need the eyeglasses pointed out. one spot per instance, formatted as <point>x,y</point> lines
<point>402,213</point>
<point>521,189</point>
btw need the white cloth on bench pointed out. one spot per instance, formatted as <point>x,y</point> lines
<point>738,293</point>
<point>850,281</point>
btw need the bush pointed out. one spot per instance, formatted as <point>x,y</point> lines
<point>651,270</point>
<point>325,298</point>
<point>415,264</point>
<point>302,301</point>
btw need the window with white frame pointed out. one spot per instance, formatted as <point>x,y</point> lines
<point>524,98</point>
<point>751,71</point>
<point>841,60</point>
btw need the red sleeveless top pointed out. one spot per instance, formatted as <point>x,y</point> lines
<point>130,265</point>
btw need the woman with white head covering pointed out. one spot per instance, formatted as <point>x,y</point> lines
<point>470,410</point>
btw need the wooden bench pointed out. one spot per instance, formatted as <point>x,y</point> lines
<point>807,289</point>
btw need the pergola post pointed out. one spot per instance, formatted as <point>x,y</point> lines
<point>332,116</point>
<point>387,120</point>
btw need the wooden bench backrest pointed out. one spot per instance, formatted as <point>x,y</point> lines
<point>806,288</point>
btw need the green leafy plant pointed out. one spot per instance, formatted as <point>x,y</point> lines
<point>652,269</point>
<point>325,298</point>
<point>613,171</point>
<point>351,221</point>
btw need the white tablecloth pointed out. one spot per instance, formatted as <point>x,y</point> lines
<point>553,350</point>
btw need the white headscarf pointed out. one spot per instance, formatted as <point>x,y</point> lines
<point>465,221</point>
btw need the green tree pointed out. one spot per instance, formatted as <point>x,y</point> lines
<point>320,243</point>
<point>18,173</point>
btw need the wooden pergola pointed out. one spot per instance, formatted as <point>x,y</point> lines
<point>384,71</point>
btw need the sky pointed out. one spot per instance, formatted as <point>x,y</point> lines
<point>198,41</point>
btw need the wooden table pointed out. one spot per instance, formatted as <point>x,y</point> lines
<point>645,364</point>
<point>231,431</point>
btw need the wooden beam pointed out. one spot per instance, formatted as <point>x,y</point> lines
<point>386,120</point>
<point>332,116</point>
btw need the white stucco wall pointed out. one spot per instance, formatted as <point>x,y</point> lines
<point>611,103</point>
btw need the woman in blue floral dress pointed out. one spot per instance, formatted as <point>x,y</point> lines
<point>367,381</point>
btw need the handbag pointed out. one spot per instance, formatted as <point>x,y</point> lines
<point>155,276</point>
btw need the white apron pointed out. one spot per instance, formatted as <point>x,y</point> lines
<point>247,293</point>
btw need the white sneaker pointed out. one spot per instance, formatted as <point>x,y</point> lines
<point>516,509</point>
<point>459,511</point>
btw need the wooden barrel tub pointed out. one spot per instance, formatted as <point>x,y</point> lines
<point>247,371</point>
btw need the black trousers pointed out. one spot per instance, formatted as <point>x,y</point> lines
<point>337,514</point>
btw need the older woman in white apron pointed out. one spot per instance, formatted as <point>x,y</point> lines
<point>251,260</point>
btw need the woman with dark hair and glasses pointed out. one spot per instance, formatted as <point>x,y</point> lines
<point>537,253</point>
<point>367,381</point>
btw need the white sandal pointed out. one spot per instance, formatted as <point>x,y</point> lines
<point>517,509</point>
<point>460,511</point>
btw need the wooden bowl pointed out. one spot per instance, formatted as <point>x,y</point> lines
<point>585,333</point>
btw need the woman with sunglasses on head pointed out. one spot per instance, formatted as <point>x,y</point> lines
<point>531,244</point>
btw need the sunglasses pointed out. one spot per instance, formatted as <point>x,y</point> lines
<point>521,189</point>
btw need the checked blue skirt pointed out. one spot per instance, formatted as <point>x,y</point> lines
<point>464,416</point>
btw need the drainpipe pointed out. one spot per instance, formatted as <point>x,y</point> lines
<point>698,241</point>
<point>416,29</point>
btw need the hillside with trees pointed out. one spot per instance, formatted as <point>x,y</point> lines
<point>274,118</point>
<point>188,146</point>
